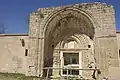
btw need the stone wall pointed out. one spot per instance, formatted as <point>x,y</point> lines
<point>103,22</point>
<point>118,39</point>
<point>118,42</point>
<point>35,44</point>
<point>13,55</point>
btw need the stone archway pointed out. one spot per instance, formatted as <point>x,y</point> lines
<point>62,25</point>
<point>49,26</point>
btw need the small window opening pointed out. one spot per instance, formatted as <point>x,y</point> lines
<point>22,42</point>
<point>52,46</point>
<point>71,59</point>
<point>26,52</point>
<point>89,46</point>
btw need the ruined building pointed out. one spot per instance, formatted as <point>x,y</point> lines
<point>78,35</point>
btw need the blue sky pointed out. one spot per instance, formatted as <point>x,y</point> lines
<point>14,14</point>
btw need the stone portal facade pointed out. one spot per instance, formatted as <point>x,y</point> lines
<point>51,27</point>
<point>86,30</point>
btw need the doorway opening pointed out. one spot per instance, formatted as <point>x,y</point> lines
<point>71,60</point>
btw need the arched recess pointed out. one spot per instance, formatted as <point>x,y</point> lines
<point>63,24</point>
<point>77,44</point>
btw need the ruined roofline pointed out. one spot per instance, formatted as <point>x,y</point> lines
<point>73,5</point>
<point>118,31</point>
<point>18,34</point>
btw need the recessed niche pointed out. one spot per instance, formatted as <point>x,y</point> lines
<point>22,42</point>
<point>89,46</point>
<point>52,46</point>
<point>26,52</point>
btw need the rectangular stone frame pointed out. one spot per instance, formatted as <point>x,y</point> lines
<point>80,57</point>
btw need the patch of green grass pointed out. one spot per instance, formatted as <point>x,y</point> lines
<point>16,76</point>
